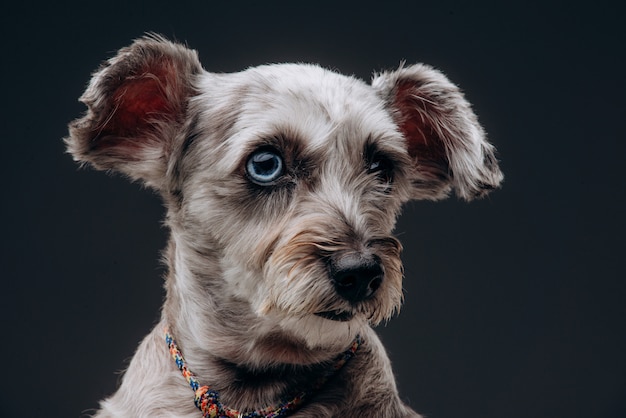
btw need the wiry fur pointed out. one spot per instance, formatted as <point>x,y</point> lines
<point>248,265</point>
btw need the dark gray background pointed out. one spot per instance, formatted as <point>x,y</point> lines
<point>515,305</point>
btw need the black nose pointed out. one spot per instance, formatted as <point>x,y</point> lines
<point>355,278</point>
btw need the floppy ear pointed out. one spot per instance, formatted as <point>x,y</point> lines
<point>136,105</point>
<point>442,133</point>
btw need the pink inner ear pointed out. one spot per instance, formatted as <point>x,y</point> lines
<point>138,103</point>
<point>418,116</point>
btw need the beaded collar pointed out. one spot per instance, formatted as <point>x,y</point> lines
<point>208,400</point>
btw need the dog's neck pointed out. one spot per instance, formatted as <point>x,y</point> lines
<point>208,400</point>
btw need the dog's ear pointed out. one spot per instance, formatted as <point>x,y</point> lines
<point>443,136</point>
<point>136,105</point>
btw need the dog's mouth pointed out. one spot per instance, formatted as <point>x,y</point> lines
<point>338,315</point>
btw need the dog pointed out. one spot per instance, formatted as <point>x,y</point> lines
<point>282,185</point>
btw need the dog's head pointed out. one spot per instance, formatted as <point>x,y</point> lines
<point>283,182</point>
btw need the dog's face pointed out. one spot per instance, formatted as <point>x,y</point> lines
<point>283,183</point>
<point>299,190</point>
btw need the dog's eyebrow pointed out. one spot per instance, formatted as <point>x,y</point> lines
<point>287,141</point>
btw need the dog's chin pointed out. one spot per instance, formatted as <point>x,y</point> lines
<point>337,315</point>
<point>331,330</point>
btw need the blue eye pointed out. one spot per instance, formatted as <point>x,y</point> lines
<point>383,168</point>
<point>265,166</point>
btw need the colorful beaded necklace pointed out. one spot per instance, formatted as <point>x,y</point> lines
<point>208,402</point>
